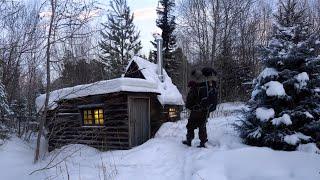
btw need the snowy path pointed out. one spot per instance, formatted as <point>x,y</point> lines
<point>166,158</point>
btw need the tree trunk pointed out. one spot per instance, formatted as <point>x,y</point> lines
<point>45,111</point>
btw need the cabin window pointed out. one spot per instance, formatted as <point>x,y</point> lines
<point>173,113</point>
<point>93,117</point>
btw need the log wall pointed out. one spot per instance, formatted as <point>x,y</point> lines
<point>65,125</point>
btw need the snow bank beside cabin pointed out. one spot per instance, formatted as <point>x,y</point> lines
<point>16,160</point>
<point>100,87</point>
<point>169,93</point>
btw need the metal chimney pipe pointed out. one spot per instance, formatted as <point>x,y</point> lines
<point>159,42</point>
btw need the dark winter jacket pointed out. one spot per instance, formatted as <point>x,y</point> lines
<point>201,97</point>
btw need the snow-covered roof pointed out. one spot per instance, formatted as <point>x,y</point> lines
<point>169,93</point>
<point>100,87</point>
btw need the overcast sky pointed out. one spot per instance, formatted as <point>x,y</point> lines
<point>145,17</point>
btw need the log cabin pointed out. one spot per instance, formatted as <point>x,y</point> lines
<point>113,114</point>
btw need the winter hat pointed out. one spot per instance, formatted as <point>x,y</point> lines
<point>207,72</point>
<point>196,74</point>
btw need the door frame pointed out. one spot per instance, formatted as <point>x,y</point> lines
<point>130,98</point>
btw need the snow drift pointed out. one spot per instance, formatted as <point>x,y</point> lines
<point>165,158</point>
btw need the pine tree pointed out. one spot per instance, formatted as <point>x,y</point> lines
<point>286,102</point>
<point>166,22</point>
<point>4,107</point>
<point>19,107</point>
<point>76,71</point>
<point>4,111</point>
<point>120,38</point>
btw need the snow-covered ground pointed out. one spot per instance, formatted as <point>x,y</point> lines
<point>164,157</point>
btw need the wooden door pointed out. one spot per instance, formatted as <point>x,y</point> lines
<point>139,120</point>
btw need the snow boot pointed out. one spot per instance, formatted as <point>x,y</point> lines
<point>187,142</point>
<point>202,145</point>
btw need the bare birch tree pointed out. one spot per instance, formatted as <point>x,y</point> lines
<point>61,15</point>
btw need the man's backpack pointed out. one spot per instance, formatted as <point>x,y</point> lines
<point>209,101</point>
<point>212,100</point>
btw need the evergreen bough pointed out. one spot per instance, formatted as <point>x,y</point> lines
<point>285,103</point>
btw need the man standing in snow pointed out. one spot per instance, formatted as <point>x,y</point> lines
<point>201,100</point>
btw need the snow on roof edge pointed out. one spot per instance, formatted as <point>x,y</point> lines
<point>169,93</point>
<point>96,88</point>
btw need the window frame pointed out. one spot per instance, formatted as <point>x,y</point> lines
<point>175,111</point>
<point>92,110</point>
